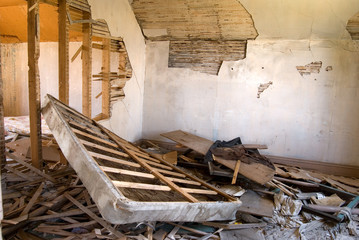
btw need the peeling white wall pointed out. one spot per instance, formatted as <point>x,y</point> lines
<point>312,117</point>
<point>126,120</point>
<point>16,56</point>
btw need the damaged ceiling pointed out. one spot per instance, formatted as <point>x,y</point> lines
<point>13,20</point>
<point>222,22</point>
<point>203,28</point>
<point>193,20</point>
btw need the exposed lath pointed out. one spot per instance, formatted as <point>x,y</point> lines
<point>353,26</point>
<point>205,56</point>
<point>196,19</point>
<point>117,80</point>
<point>197,30</point>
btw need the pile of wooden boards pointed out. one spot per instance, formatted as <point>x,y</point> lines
<point>320,193</point>
<point>55,204</point>
<point>248,162</point>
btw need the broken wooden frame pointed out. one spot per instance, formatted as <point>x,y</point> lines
<point>113,82</point>
<point>126,183</point>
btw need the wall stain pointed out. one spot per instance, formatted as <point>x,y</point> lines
<point>313,67</point>
<point>262,87</point>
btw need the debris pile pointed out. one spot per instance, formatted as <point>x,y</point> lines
<point>191,189</point>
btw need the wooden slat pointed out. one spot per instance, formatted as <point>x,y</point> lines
<point>63,26</point>
<point>112,159</point>
<point>33,46</point>
<point>86,67</point>
<point>157,164</point>
<point>87,128</point>
<point>94,137</point>
<point>146,186</point>
<point>110,150</point>
<point>145,175</point>
<point>68,226</point>
<point>236,170</point>
<point>33,200</point>
<point>106,78</point>
<point>66,111</point>
<point>20,174</point>
<point>193,230</point>
<point>172,173</point>
<point>141,186</point>
<point>77,53</point>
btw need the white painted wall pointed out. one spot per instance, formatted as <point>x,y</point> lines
<point>312,117</point>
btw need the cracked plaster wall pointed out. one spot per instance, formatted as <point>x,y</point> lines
<point>313,117</point>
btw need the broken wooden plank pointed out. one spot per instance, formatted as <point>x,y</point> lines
<point>160,187</point>
<point>192,230</point>
<point>254,170</point>
<point>95,217</point>
<point>32,200</point>
<point>234,226</point>
<point>22,162</point>
<point>145,175</point>
<point>236,170</point>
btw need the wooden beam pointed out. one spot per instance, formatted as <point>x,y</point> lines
<point>33,46</point>
<point>323,167</point>
<point>63,52</point>
<point>155,187</point>
<point>86,67</point>
<point>106,86</point>
<point>2,140</point>
<point>2,128</point>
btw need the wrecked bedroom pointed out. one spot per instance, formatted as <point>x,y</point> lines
<point>179,119</point>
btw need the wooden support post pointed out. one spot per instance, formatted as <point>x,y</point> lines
<point>63,52</point>
<point>33,46</point>
<point>2,128</point>
<point>2,141</point>
<point>106,86</point>
<point>86,66</point>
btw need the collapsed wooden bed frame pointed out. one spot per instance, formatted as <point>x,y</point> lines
<point>128,184</point>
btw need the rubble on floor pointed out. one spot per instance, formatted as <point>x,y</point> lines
<point>55,202</point>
